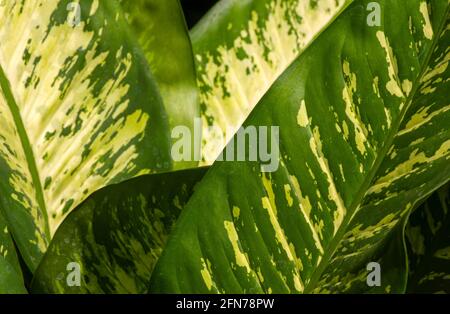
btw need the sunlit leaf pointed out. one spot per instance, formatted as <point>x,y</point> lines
<point>79,110</point>
<point>363,116</point>
<point>117,235</point>
<point>161,30</point>
<point>241,48</point>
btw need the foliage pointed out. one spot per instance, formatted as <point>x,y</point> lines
<point>89,100</point>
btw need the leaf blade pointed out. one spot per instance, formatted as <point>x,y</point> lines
<point>86,120</point>
<point>171,61</point>
<point>241,48</point>
<point>116,235</point>
<point>428,245</point>
<point>11,279</point>
<point>262,250</point>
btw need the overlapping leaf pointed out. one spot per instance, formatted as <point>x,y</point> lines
<point>429,243</point>
<point>139,14</point>
<point>416,164</point>
<point>241,47</point>
<point>79,110</point>
<point>363,138</point>
<point>117,235</point>
<point>11,280</point>
<point>161,31</point>
<point>363,141</point>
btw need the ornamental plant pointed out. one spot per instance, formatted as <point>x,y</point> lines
<point>278,146</point>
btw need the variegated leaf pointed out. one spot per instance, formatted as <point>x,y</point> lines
<point>429,245</point>
<point>363,138</point>
<point>416,164</point>
<point>79,110</point>
<point>161,30</point>
<point>116,235</point>
<point>241,48</point>
<point>11,280</point>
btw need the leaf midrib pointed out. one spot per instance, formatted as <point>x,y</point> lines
<point>333,245</point>
<point>26,145</point>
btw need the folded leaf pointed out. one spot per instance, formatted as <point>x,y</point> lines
<point>79,110</point>
<point>363,138</point>
<point>241,48</point>
<point>162,33</point>
<point>429,245</point>
<point>116,235</point>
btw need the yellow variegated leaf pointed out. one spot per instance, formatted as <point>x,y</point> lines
<point>79,110</point>
<point>241,48</point>
<point>117,235</point>
<point>363,139</point>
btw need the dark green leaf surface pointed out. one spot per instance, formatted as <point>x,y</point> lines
<point>11,280</point>
<point>79,108</point>
<point>363,116</point>
<point>428,235</point>
<point>417,163</point>
<point>162,34</point>
<point>117,235</point>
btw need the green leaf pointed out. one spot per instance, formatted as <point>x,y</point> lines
<point>241,48</point>
<point>429,245</point>
<point>162,33</point>
<point>80,110</point>
<point>363,116</point>
<point>116,235</point>
<point>11,280</point>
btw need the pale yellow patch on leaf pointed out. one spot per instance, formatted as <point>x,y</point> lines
<point>302,116</point>
<point>241,259</point>
<point>392,85</point>
<point>427,28</point>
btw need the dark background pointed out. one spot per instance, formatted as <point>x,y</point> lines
<point>195,9</point>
